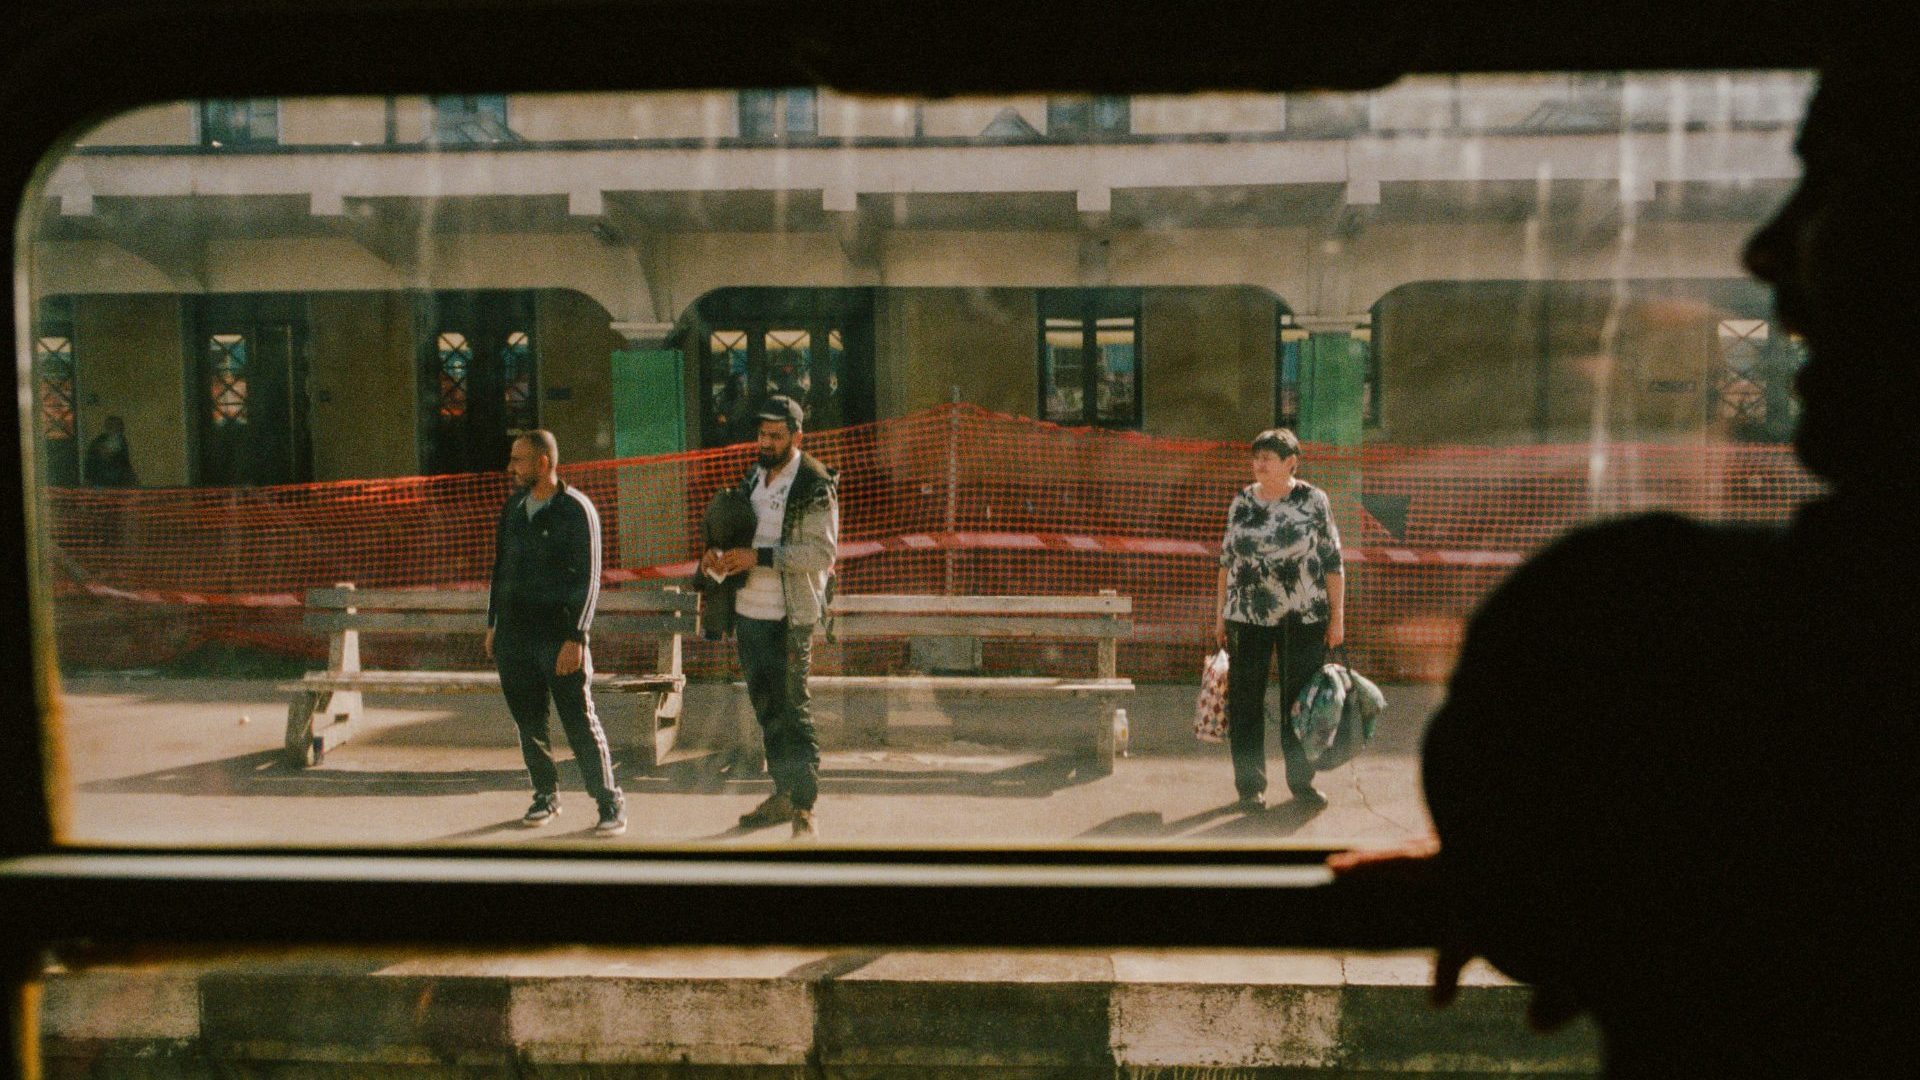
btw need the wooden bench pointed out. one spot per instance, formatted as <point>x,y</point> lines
<point>328,704</point>
<point>1086,703</point>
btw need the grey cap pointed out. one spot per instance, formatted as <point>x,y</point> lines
<point>781,407</point>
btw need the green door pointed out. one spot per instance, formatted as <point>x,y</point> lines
<point>1333,376</point>
<point>649,403</point>
<point>649,420</point>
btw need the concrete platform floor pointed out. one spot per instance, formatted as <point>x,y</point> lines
<point>153,761</point>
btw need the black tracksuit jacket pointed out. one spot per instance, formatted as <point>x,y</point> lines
<point>546,571</point>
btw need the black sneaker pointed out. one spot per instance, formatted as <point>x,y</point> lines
<point>544,809</point>
<point>613,822</point>
<point>1249,804</point>
<point>1309,797</point>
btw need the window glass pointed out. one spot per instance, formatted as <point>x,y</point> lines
<point>772,114</point>
<point>1079,116</point>
<point>274,394</point>
<point>470,118</point>
<point>239,122</point>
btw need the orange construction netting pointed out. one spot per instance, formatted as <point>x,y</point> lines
<point>954,500</point>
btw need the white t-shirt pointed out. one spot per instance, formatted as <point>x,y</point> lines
<point>762,596</point>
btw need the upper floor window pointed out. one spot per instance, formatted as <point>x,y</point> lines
<point>240,122</point>
<point>471,118</point>
<point>773,114</point>
<point>1100,115</point>
<point>1090,357</point>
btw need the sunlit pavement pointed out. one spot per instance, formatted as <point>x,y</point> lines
<point>198,762</point>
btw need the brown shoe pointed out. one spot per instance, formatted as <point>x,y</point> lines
<point>776,810</point>
<point>803,826</point>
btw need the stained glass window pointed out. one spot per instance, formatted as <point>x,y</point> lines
<point>227,379</point>
<point>53,363</point>
<point>519,393</point>
<point>456,368</point>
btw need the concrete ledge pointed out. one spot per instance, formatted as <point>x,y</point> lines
<point>779,1013</point>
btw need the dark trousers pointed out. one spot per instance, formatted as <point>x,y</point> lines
<point>1302,648</point>
<point>776,658</point>
<point>527,679</point>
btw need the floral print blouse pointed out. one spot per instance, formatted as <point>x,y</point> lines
<point>1278,554</point>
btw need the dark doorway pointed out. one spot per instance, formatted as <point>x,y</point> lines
<point>479,378</point>
<point>251,391</point>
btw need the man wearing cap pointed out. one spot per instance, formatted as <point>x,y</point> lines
<point>797,511</point>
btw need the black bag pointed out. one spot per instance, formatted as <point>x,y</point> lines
<point>730,522</point>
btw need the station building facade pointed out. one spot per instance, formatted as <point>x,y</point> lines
<point>281,291</point>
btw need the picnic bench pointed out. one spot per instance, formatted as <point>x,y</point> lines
<point>327,705</point>
<point>1086,703</point>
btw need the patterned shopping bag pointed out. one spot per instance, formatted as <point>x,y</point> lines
<point>1210,712</point>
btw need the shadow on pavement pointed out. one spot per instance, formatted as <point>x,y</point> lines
<point>723,772</point>
<point>1282,820</point>
<point>266,773</point>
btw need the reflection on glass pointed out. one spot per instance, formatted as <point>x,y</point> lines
<point>1031,337</point>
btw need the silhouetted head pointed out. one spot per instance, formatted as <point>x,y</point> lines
<point>1842,255</point>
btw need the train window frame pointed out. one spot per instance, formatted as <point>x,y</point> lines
<point>76,67</point>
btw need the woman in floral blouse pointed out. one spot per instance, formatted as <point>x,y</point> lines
<point>1282,590</point>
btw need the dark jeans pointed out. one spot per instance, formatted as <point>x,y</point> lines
<point>1302,648</point>
<point>526,678</point>
<point>776,658</point>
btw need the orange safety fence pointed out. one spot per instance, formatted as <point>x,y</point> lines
<point>953,500</point>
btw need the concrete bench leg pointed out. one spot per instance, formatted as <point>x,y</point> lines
<point>318,722</point>
<point>654,732</point>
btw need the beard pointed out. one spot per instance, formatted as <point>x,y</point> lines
<point>771,461</point>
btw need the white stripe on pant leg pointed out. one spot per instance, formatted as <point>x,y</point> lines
<point>593,721</point>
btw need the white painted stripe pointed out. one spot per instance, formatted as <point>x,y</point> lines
<point>999,540</point>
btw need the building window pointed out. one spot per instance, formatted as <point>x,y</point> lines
<point>519,400</point>
<point>456,367</point>
<point>471,118</point>
<point>56,401</point>
<point>1090,357</point>
<point>518,393</point>
<point>240,122</point>
<point>253,426</point>
<point>479,378</point>
<point>1081,116</point>
<point>1751,388</point>
<point>812,345</point>
<point>791,362</point>
<point>776,114</point>
<point>226,379</point>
